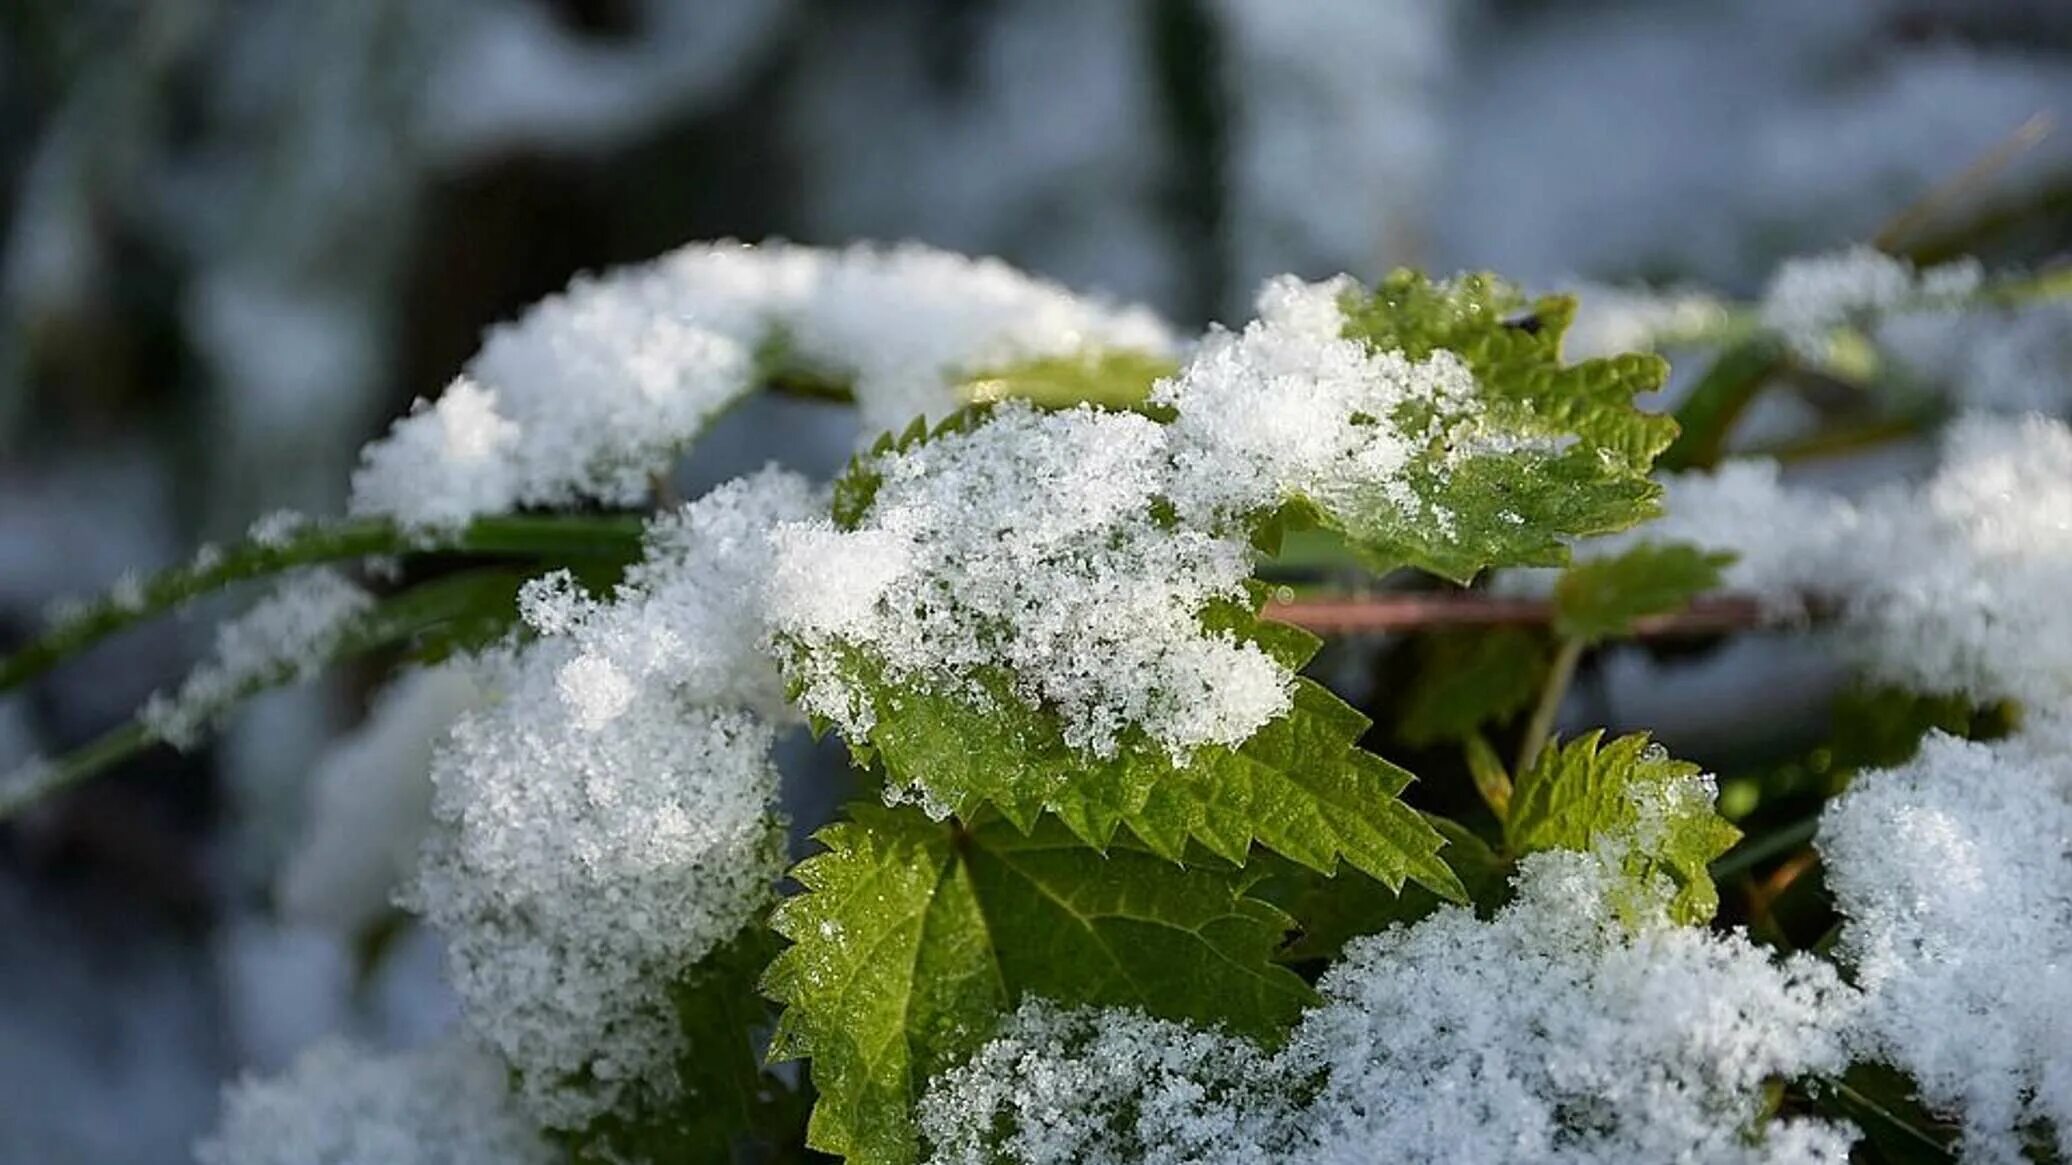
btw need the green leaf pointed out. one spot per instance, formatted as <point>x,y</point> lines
<point>1628,793</point>
<point>1567,453</point>
<point>1330,911</point>
<point>1469,678</point>
<point>730,1103</point>
<point>915,936</point>
<point>1298,786</point>
<point>1118,379</point>
<point>1601,598</point>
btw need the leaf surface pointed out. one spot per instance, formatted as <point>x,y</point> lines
<point>915,936</point>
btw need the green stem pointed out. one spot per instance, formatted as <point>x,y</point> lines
<point>1541,727</point>
<point>1755,851</point>
<point>517,535</point>
<point>405,617</point>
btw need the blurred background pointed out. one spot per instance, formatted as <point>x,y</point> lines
<point>240,235</point>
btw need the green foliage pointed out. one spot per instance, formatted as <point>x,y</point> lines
<point>1600,599</point>
<point>1470,678</point>
<point>1567,452</point>
<point>1627,793</point>
<point>731,1103</point>
<point>1298,786</point>
<point>1330,911</point>
<point>915,936</point>
<point>1115,380</point>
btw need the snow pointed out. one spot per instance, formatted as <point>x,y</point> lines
<point>1950,586</point>
<point>594,391</point>
<point>444,1105</point>
<point>1549,1033</point>
<point>606,820</point>
<point>1954,873</point>
<point>291,633</point>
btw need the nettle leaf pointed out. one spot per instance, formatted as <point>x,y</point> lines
<point>1554,452</point>
<point>1469,678</point>
<point>915,936</point>
<point>1600,599</point>
<point>1299,786</point>
<point>1627,794</point>
<point>1331,911</point>
<point>730,1101</point>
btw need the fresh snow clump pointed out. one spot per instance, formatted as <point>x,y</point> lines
<point>606,823</point>
<point>1026,552</point>
<point>1952,586</point>
<point>444,1105</point>
<point>1551,1033</point>
<point>593,391</point>
<point>1092,1087</point>
<point>1810,297</point>
<point>1291,408</point>
<point>1954,872</point>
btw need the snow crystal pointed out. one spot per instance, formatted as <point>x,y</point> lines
<point>370,802</point>
<point>1951,586</point>
<point>1807,298</point>
<point>606,823</point>
<point>445,1105</point>
<point>292,632</point>
<point>1550,1033</point>
<point>594,390</point>
<point>1029,549</point>
<point>1954,872</point>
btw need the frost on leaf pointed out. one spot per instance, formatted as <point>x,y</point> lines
<point>445,1105</point>
<point>1567,1029</point>
<point>1646,813</point>
<point>605,824</point>
<point>1954,874</point>
<point>914,937</point>
<point>1010,611</point>
<point>595,389</point>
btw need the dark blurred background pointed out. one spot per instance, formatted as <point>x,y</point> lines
<point>240,235</point>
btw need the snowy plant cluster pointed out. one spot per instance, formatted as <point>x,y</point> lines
<point>1075,551</point>
<point>1557,1031</point>
<point>1114,892</point>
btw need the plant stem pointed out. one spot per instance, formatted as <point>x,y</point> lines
<point>1541,727</point>
<point>1710,615</point>
<point>1757,850</point>
<point>518,535</point>
<point>400,619</point>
